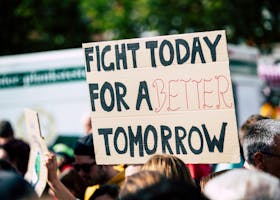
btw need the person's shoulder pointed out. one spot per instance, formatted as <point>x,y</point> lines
<point>90,190</point>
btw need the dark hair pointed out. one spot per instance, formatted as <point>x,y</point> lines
<point>110,189</point>
<point>5,165</point>
<point>18,154</point>
<point>6,129</point>
<point>84,146</point>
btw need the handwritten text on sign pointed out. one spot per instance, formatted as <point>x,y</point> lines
<point>168,94</point>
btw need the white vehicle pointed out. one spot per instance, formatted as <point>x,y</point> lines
<point>53,83</point>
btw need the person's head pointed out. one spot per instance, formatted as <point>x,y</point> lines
<point>6,132</point>
<point>247,125</point>
<point>138,181</point>
<point>243,184</point>
<point>14,186</point>
<point>106,192</point>
<point>170,166</point>
<point>86,165</point>
<point>152,185</point>
<point>205,179</point>
<point>16,151</point>
<point>262,146</point>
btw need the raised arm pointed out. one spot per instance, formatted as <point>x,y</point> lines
<point>56,186</point>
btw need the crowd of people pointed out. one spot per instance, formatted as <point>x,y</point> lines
<point>74,174</point>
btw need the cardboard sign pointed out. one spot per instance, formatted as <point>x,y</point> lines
<point>37,172</point>
<point>162,95</point>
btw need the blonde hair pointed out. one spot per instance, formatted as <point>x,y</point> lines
<point>138,181</point>
<point>170,166</point>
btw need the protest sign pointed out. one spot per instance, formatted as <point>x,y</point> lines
<point>37,172</point>
<point>167,94</point>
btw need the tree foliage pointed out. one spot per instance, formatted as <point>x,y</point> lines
<point>255,21</point>
<point>36,25</point>
<point>117,18</point>
<point>32,25</point>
